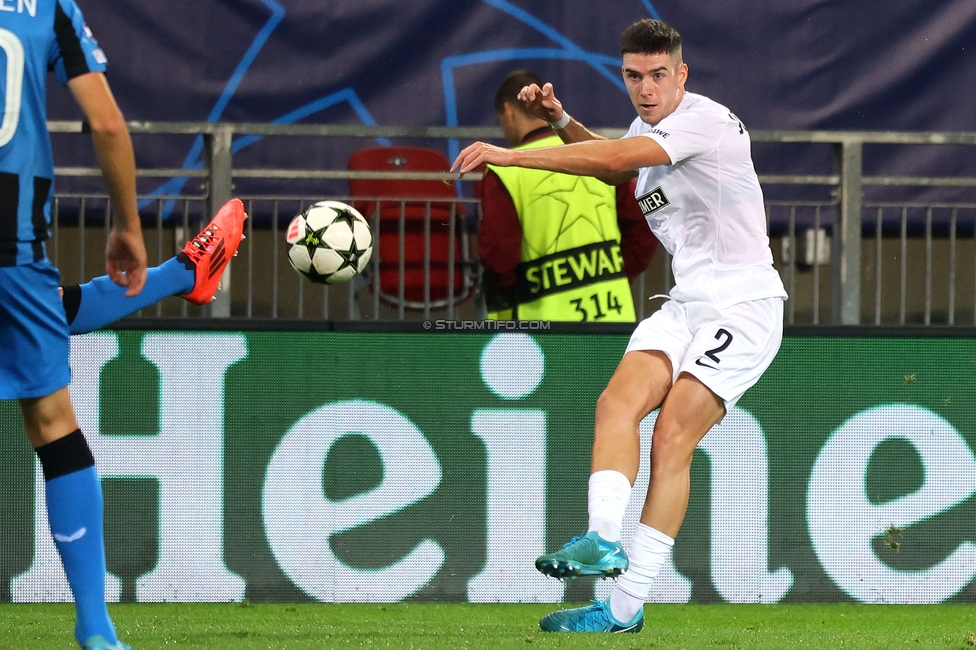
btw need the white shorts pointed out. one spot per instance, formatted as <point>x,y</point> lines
<point>726,349</point>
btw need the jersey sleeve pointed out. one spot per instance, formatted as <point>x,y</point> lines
<point>637,242</point>
<point>635,128</point>
<point>74,51</point>
<point>686,134</point>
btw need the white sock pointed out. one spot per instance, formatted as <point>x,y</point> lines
<point>609,493</point>
<point>649,550</point>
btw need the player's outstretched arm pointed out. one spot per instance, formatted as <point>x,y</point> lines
<point>612,161</point>
<point>542,103</point>
<point>125,251</point>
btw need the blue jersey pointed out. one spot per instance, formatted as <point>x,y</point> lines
<point>36,36</point>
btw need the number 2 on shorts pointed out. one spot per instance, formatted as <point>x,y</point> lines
<point>713,353</point>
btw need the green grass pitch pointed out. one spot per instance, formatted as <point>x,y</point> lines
<point>496,627</point>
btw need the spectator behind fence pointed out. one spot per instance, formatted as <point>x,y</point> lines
<point>556,246</point>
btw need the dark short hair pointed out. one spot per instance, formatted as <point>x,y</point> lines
<point>649,36</point>
<point>509,89</point>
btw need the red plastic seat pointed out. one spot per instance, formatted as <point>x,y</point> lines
<point>406,206</point>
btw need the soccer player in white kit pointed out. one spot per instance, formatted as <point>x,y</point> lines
<point>697,355</point>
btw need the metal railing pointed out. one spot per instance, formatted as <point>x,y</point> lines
<point>837,252</point>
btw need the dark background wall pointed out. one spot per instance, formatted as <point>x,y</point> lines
<point>787,64</point>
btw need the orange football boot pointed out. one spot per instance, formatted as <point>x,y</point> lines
<point>211,250</point>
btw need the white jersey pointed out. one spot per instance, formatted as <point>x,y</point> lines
<point>706,207</point>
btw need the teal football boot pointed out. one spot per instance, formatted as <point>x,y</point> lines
<point>595,617</point>
<point>589,555</point>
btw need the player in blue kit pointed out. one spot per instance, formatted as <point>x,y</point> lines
<point>36,37</point>
<point>51,34</point>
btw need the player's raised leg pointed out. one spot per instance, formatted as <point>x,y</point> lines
<point>194,274</point>
<point>637,387</point>
<point>688,413</point>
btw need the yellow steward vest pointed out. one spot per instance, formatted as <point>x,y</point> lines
<point>572,268</point>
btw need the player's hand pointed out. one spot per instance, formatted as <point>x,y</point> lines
<point>542,102</point>
<point>474,156</point>
<point>125,260</point>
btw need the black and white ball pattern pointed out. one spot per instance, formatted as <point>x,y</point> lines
<point>329,243</point>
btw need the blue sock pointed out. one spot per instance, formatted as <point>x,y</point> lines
<point>102,301</point>
<point>74,510</point>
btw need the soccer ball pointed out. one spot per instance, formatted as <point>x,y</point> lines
<point>329,243</point>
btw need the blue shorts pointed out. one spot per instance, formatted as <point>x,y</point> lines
<point>34,340</point>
